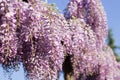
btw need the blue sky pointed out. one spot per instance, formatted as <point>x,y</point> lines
<point>112,8</point>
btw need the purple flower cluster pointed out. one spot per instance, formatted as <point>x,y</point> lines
<point>40,37</point>
<point>31,32</point>
<point>92,12</point>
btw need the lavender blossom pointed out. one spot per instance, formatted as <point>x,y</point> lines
<point>40,37</point>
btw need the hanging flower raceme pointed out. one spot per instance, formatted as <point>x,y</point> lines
<point>92,12</point>
<point>8,38</point>
<point>35,37</point>
<point>36,34</point>
<point>88,64</point>
<point>46,55</point>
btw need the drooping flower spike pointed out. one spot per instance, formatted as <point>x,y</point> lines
<point>36,34</point>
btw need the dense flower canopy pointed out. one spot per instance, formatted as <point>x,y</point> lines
<point>40,37</point>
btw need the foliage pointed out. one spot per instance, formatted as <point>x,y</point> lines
<point>111,43</point>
